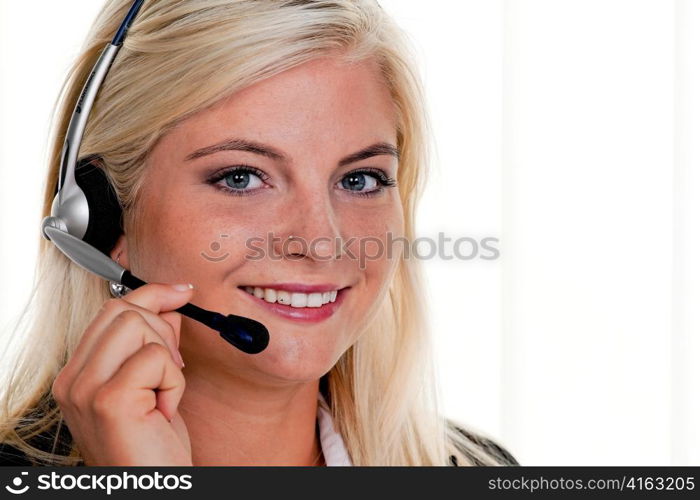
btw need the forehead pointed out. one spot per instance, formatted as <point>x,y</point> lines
<point>325,100</point>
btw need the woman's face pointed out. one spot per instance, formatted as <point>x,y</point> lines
<point>303,137</point>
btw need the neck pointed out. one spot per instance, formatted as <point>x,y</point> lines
<point>231,421</point>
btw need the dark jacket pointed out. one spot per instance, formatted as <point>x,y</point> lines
<point>502,456</point>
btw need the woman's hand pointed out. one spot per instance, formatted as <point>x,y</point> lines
<point>120,389</point>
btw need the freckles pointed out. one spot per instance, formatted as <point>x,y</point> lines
<point>361,223</point>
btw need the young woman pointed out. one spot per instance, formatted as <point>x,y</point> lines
<point>297,123</point>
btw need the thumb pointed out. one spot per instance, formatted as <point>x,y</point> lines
<point>161,297</point>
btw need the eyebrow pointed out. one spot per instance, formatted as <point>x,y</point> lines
<point>379,148</point>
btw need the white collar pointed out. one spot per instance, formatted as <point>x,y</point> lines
<point>332,444</point>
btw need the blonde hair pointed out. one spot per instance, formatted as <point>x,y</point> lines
<point>382,392</point>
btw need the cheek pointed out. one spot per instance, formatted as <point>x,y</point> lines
<point>373,231</point>
<point>173,241</point>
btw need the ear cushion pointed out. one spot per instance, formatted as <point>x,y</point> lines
<point>105,221</point>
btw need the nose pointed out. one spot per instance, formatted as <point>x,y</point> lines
<point>313,228</point>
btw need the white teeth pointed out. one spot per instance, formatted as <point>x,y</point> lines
<point>294,299</point>
<point>284,297</point>
<point>270,295</point>
<point>298,300</point>
<point>315,300</point>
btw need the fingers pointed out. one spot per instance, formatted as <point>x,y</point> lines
<point>123,381</point>
<point>162,297</point>
<point>124,337</point>
<point>147,370</point>
<point>157,297</point>
<point>165,297</point>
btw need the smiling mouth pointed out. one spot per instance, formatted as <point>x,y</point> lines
<point>316,304</point>
<point>295,299</point>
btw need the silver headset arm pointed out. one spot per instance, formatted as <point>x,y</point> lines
<point>85,256</point>
<point>69,211</point>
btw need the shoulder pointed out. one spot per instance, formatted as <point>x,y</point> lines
<point>479,448</point>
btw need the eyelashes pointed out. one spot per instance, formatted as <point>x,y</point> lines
<point>239,174</point>
<point>237,180</point>
<point>382,180</point>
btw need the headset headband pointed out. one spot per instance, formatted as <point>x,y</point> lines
<point>71,210</point>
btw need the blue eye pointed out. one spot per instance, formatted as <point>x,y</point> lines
<point>358,182</point>
<point>366,181</point>
<point>240,180</point>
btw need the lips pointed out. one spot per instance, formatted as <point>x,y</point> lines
<point>292,298</point>
<point>315,313</point>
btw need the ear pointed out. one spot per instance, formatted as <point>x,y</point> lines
<point>121,250</point>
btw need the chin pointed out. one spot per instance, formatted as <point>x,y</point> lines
<point>295,359</point>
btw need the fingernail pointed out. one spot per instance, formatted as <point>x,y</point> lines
<point>183,287</point>
<point>179,357</point>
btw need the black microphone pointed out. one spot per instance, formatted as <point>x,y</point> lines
<point>246,334</point>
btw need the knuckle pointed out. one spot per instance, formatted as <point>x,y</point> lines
<point>113,305</point>
<point>106,401</point>
<point>129,317</point>
<point>58,388</point>
<point>155,349</point>
<point>76,395</point>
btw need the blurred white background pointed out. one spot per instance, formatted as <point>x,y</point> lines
<point>568,129</point>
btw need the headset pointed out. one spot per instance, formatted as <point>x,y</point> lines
<point>86,215</point>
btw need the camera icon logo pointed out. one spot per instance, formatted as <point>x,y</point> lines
<point>215,246</point>
<point>17,482</point>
